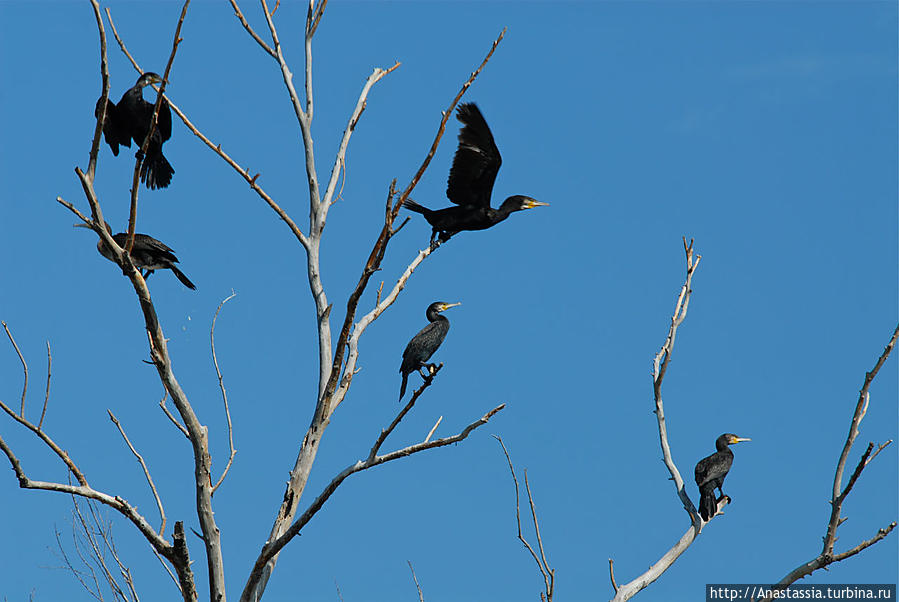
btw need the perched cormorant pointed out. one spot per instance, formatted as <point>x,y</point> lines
<point>130,119</point>
<point>470,182</point>
<point>425,343</point>
<point>146,254</point>
<point>710,473</point>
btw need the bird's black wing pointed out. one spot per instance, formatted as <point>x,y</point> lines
<point>476,162</point>
<point>146,243</point>
<point>114,131</point>
<point>713,467</point>
<point>164,120</point>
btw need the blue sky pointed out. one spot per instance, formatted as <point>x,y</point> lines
<point>767,131</point>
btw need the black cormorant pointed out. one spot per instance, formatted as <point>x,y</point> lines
<point>146,254</point>
<point>710,473</point>
<point>425,343</point>
<point>130,120</point>
<point>470,182</point>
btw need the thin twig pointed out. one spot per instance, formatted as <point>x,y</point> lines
<point>421,597</point>
<point>104,94</point>
<point>218,372</point>
<point>251,31</point>
<point>612,574</point>
<point>402,413</point>
<point>433,428</point>
<point>47,393</point>
<point>143,465</point>
<point>546,576</point>
<point>171,417</point>
<point>24,366</point>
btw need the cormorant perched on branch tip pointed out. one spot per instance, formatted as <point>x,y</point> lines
<point>425,343</point>
<point>710,473</point>
<point>470,182</point>
<point>130,120</point>
<point>147,253</point>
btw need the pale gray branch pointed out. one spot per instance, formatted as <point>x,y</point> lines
<point>660,365</point>
<point>839,493</point>
<point>218,372</point>
<point>24,366</point>
<point>143,465</point>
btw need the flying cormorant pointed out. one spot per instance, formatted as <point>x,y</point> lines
<point>470,183</point>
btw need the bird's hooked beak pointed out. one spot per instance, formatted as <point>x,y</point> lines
<point>740,439</point>
<point>446,306</point>
<point>531,203</point>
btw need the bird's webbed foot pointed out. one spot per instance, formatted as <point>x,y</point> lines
<point>147,275</point>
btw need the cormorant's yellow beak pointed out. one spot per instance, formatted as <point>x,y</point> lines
<point>740,439</point>
<point>532,203</point>
<point>446,306</point>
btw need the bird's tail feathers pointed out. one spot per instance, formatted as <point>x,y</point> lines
<point>403,386</point>
<point>708,504</point>
<point>413,206</point>
<point>156,171</point>
<point>184,279</point>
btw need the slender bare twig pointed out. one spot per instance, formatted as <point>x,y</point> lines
<point>546,567</point>
<point>62,454</point>
<point>421,597</point>
<point>24,366</point>
<point>547,572</point>
<point>402,413</point>
<point>171,417</point>
<point>251,31</point>
<point>47,393</point>
<point>104,94</point>
<point>612,574</point>
<point>433,428</point>
<point>839,493</point>
<point>218,372</point>
<point>143,465</point>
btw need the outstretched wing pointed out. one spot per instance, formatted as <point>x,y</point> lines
<point>476,162</point>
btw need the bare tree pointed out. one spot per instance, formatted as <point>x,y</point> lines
<point>338,358</point>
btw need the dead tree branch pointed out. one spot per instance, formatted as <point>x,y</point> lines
<point>839,493</point>
<point>272,548</point>
<point>143,465</point>
<point>24,367</point>
<point>660,365</point>
<point>218,373</point>
<point>547,572</point>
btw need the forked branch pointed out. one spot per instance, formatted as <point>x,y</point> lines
<point>839,493</point>
<point>547,572</point>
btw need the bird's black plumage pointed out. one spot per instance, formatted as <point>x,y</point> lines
<point>425,343</point>
<point>147,254</point>
<point>710,473</point>
<point>130,120</point>
<point>470,183</point>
